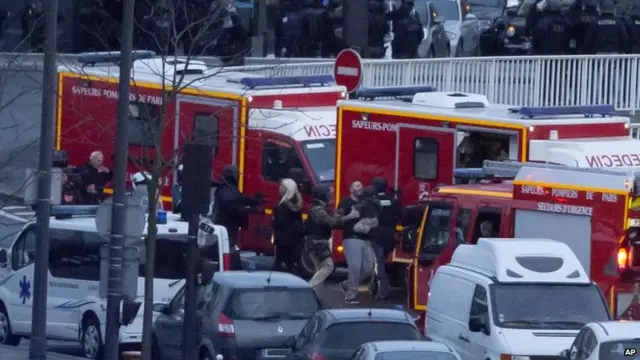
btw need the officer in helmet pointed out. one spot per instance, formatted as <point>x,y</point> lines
<point>231,209</point>
<point>608,34</point>
<point>550,32</point>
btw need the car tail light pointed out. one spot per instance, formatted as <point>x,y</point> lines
<point>623,258</point>
<point>226,262</point>
<point>225,326</point>
<point>317,356</point>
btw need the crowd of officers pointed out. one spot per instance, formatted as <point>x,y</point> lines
<point>310,28</point>
<point>588,27</point>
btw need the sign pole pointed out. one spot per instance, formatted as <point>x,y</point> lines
<point>116,245</point>
<point>38,344</point>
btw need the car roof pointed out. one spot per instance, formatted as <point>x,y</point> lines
<point>258,279</point>
<point>384,346</point>
<point>616,330</point>
<point>334,316</point>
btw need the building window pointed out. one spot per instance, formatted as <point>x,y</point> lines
<point>425,159</point>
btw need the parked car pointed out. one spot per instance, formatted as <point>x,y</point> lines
<point>249,315</point>
<point>611,340</point>
<point>403,350</point>
<point>462,27</point>
<point>335,334</point>
<point>487,12</point>
<point>511,32</point>
<point>436,42</point>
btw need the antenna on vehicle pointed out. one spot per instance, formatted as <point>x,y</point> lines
<point>269,277</point>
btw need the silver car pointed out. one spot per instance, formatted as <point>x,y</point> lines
<point>249,315</point>
<point>405,350</point>
<point>461,25</point>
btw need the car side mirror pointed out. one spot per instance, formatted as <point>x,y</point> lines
<point>565,354</point>
<point>161,308</point>
<point>470,16</point>
<point>438,20</point>
<point>478,324</point>
<point>4,258</point>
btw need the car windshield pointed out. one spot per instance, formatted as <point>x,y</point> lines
<point>620,349</point>
<point>273,303</point>
<point>437,229</point>
<point>321,155</point>
<point>447,9</point>
<point>349,336</point>
<point>563,306</point>
<point>415,355</point>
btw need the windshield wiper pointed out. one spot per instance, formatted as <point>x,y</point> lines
<point>524,322</point>
<point>543,323</point>
<point>280,315</point>
<point>566,323</point>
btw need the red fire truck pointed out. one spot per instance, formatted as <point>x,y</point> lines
<point>591,210</point>
<point>415,139</point>
<point>265,126</point>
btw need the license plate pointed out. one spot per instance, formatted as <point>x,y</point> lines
<point>206,228</point>
<point>275,353</point>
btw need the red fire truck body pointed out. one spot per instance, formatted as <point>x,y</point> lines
<point>588,209</point>
<point>265,126</point>
<point>417,140</point>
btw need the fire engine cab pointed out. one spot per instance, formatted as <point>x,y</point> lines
<point>267,127</point>
<point>416,137</point>
<point>593,211</point>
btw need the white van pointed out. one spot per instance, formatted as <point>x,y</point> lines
<point>75,310</point>
<point>511,299</point>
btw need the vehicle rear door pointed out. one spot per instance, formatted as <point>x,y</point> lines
<point>209,121</point>
<point>424,157</point>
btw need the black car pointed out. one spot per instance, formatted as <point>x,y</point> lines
<point>335,334</point>
<point>488,12</point>
<point>510,29</point>
<point>243,315</point>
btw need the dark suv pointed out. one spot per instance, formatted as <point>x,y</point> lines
<point>335,334</point>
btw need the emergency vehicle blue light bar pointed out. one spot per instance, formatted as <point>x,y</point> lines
<point>74,210</point>
<point>587,110</point>
<point>92,58</point>
<point>254,82</point>
<point>400,91</point>
<point>470,173</point>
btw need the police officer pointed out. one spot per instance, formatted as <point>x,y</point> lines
<point>383,236</point>
<point>407,29</point>
<point>607,35</point>
<point>633,24</point>
<point>378,28</point>
<point>550,33</point>
<point>231,209</point>
<point>318,231</point>
<point>312,30</point>
<point>287,30</point>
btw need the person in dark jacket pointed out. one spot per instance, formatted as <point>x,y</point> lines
<point>231,209</point>
<point>318,231</point>
<point>407,29</point>
<point>94,177</point>
<point>383,236</point>
<point>551,33</point>
<point>287,227</point>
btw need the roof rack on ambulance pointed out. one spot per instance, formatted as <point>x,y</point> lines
<point>306,80</point>
<point>509,169</point>
<point>74,210</point>
<point>547,111</point>
<point>391,92</point>
<point>93,58</point>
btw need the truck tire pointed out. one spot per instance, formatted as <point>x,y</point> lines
<point>7,337</point>
<point>92,344</point>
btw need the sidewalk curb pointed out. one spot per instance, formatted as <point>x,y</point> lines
<point>19,353</point>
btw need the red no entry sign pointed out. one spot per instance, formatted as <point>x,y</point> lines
<point>348,70</point>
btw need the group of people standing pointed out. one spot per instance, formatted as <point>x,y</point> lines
<point>367,219</point>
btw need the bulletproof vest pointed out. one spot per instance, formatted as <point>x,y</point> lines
<point>312,19</point>
<point>608,34</point>
<point>386,217</point>
<point>314,229</point>
<point>551,34</point>
<point>377,26</point>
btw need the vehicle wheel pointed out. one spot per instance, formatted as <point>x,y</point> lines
<point>6,336</point>
<point>92,345</point>
<point>306,267</point>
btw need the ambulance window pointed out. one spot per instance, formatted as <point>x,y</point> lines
<point>435,236</point>
<point>462,225</point>
<point>425,158</point>
<point>487,224</point>
<point>24,250</point>
<point>278,158</point>
<point>205,130</point>
<point>476,146</point>
<point>144,124</point>
<point>75,254</point>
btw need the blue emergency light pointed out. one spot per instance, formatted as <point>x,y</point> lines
<point>400,91</point>
<point>469,173</point>
<point>254,82</point>
<point>92,58</point>
<point>587,111</point>
<point>74,210</point>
